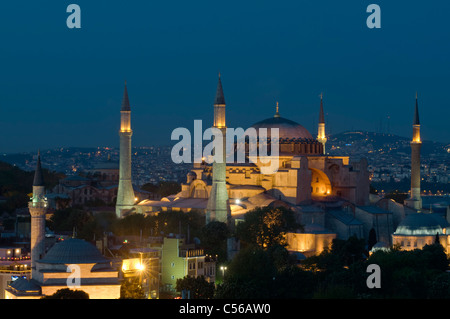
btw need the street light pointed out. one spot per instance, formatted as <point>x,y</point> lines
<point>140,267</point>
<point>223,268</point>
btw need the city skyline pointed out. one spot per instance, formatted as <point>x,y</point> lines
<point>114,186</point>
<point>63,87</point>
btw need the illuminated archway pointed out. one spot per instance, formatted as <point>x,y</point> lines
<point>198,189</point>
<point>320,183</point>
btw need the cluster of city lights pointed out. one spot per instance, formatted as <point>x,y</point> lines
<point>15,258</point>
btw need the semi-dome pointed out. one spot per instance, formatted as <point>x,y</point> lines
<point>73,251</point>
<point>287,129</point>
<point>422,224</point>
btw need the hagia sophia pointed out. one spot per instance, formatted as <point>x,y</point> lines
<point>328,194</point>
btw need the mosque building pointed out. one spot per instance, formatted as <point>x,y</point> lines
<point>305,175</point>
<point>330,194</point>
<point>55,269</point>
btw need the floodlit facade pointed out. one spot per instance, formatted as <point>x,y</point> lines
<point>179,260</point>
<point>312,241</point>
<point>420,229</point>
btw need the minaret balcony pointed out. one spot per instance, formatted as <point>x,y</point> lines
<point>37,205</point>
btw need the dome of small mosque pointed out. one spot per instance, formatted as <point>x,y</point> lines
<point>422,224</point>
<point>73,251</point>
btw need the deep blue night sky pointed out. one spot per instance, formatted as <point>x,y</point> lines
<point>63,87</point>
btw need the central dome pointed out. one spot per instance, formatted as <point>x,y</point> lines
<point>287,129</point>
<point>293,139</point>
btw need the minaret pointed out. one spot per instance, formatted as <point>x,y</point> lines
<point>125,193</point>
<point>218,208</point>
<point>415,200</point>
<point>321,132</point>
<point>38,208</point>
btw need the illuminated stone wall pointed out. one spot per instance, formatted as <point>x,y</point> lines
<point>99,284</point>
<point>418,242</point>
<point>309,244</point>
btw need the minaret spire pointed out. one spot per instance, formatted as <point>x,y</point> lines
<point>125,100</point>
<point>218,208</point>
<point>415,200</point>
<point>219,106</point>
<point>38,177</point>
<point>220,99</point>
<point>38,209</point>
<point>321,137</point>
<point>321,116</point>
<point>125,192</point>
<point>416,113</point>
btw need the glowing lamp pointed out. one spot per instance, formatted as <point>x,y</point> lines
<point>140,267</point>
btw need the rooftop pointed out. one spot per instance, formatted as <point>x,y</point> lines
<point>421,224</point>
<point>287,129</point>
<point>73,251</point>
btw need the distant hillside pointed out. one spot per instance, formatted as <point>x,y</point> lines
<point>350,142</point>
<point>16,184</point>
<point>13,179</point>
<point>27,161</point>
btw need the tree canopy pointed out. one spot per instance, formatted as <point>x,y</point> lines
<point>266,226</point>
<point>198,286</point>
<point>67,293</point>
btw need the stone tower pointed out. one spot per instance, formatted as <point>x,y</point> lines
<point>415,200</point>
<point>218,208</point>
<point>38,209</point>
<point>125,193</point>
<point>321,132</point>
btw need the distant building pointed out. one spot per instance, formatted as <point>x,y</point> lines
<point>83,190</point>
<point>14,264</point>
<point>97,185</point>
<point>11,271</point>
<point>179,260</point>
